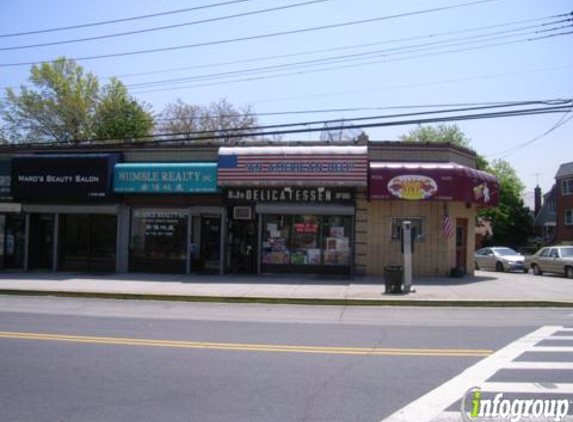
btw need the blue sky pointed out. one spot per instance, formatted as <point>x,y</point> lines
<point>529,70</point>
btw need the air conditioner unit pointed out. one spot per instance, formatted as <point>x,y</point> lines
<point>242,213</point>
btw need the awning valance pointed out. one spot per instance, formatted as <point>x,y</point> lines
<point>293,166</point>
<point>432,181</point>
<point>165,178</point>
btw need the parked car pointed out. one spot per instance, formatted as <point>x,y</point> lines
<point>551,259</point>
<point>498,258</point>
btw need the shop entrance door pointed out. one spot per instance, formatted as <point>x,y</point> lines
<point>461,243</point>
<point>210,249</point>
<point>243,246</point>
<point>14,242</point>
<point>41,241</point>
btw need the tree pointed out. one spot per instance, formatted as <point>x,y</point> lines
<point>222,119</point>
<point>66,104</point>
<point>511,220</point>
<point>441,133</point>
<point>118,115</point>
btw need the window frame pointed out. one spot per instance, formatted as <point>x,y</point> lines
<point>567,187</point>
<point>568,217</point>
<point>395,235</point>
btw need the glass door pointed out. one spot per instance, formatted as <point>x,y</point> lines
<point>210,250</point>
<point>41,241</point>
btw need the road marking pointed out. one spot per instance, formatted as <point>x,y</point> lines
<point>539,365</point>
<point>369,351</point>
<point>527,387</point>
<point>432,404</point>
<point>563,349</point>
<point>560,338</point>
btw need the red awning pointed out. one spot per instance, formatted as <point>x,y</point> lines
<point>432,182</point>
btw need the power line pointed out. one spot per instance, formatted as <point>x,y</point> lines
<point>342,48</point>
<point>133,18</point>
<point>347,66</point>
<point>563,120</point>
<point>457,107</point>
<point>554,106</point>
<point>162,28</point>
<point>262,36</point>
<point>362,55</point>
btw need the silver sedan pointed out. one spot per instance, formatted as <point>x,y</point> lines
<point>498,259</point>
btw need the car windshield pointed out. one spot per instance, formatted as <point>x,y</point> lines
<point>505,251</point>
<point>567,252</point>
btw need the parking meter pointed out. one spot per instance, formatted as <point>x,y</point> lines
<point>407,249</point>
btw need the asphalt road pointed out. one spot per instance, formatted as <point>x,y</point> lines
<point>85,360</point>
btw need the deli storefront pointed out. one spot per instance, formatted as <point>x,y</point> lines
<point>173,214</point>
<point>291,209</point>
<point>440,200</point>
<point>69,218</point>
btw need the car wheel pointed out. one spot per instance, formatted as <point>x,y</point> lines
<point>499,266</point>
<point>477,266</point>
<point>569,272</point>
<point>536,270</point>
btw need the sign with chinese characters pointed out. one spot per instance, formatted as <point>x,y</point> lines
<point>63,177</point>
<point>160,223</point>
<point>165,178</point>
<point>318,195</point>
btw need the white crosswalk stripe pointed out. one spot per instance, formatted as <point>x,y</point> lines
<point>432,406</point>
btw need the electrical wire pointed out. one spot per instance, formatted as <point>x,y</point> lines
<point>261,36</point>
<point>163,28</point>
<point>133,18</point>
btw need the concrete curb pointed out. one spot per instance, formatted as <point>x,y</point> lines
<point>383,301</point>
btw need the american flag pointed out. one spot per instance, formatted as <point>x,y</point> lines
<point>310,168</point>
<point>447,226</point>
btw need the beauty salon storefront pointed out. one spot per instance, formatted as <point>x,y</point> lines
<point>69,211</point>
<point>291,209</point>
<point>441,200</point>
<point>174,213</point>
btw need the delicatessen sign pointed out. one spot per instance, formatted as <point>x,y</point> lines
<point>79,177</point>
<point>289,195</point>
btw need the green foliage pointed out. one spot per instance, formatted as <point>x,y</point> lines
<point>441,133</point>
<point>511,220</point>
<point>66,104</point>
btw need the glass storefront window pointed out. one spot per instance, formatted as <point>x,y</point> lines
<point>336,240</point>
<point>306,240</point>
<point>158,240</point>
<point>276,239</point>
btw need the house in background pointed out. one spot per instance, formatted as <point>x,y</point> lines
<point>564,203</point>
<point>546,215</point>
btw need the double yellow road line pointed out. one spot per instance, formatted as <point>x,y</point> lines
<point>281,348</point>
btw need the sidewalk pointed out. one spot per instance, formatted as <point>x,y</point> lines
<point>485,289</point>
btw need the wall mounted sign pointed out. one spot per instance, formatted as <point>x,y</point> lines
<point>432,182</point>
<point>412,187</point>
<point>289,194</point>
<point>71,177</point>
<point>288,166</point>
<point>165,178</point>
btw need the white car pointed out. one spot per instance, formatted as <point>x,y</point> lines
<point>498,259</point>
<point>552,259</point>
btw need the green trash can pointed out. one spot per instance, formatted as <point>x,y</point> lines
<point>393,278</point>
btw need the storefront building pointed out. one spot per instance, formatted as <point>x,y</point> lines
<point>174,213</point>
<point>439,198</point>
<point>68,219</point>
<point>292,208</point>
<point>185,209</point>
